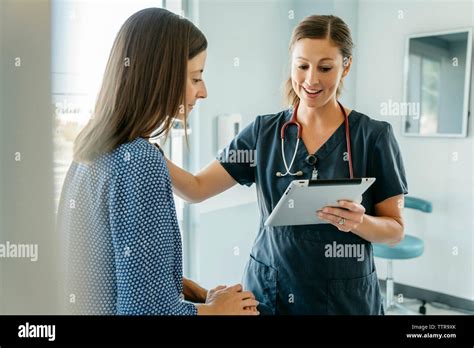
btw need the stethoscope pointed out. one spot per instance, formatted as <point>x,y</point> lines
<point>310,159</point>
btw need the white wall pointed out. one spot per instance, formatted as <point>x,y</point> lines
<point>27,287</point>
<point>432,173</point>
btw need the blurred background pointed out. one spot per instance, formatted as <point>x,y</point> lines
<point>52,57</point>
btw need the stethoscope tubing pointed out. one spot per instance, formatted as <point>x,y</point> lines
<point>294,121</point>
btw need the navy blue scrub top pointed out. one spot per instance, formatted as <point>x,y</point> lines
<point>289,270</point>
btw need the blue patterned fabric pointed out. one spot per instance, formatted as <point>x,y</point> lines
<point>121,235</point>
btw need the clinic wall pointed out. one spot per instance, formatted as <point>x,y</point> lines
<point>229,234</point>
<point>432,172</point>
<point>27,287</point>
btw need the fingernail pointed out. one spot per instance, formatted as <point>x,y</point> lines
<point>325,210</point>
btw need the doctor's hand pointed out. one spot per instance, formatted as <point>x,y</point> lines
<point>346,218</point>
<point>229,301</point>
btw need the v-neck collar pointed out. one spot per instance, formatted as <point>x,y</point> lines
<point>335,139</point>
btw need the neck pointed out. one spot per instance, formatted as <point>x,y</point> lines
<point>326,116</point>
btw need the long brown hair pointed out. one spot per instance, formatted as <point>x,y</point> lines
<point>320,27</point>
<point>144,83</point>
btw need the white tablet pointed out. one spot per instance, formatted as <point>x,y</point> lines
<point>303,198</point>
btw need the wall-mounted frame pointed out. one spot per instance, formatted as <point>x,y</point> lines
<point>437,76</point>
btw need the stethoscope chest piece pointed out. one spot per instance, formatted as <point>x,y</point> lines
<point>311,160</point>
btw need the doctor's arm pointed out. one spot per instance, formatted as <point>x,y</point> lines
<point>209,182</point>
<point>385,227</point>
<point>387,224</point>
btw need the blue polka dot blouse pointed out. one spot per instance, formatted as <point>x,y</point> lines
<point>121,235</point>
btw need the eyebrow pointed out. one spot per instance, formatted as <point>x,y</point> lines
<point>199,70</point>
<point>327,58</point>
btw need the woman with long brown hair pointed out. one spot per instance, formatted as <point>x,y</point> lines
<point>117,212</point>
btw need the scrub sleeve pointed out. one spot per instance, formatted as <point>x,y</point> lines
<point>246,140</point>
<point>386,165</point>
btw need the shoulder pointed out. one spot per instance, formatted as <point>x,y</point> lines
<point>269,123</point>
<point>137,158</point>
<point>370,127</point>
<point>262,125</point>
<point>276,119</point>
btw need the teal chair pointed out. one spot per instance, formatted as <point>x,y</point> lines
<point>409,248</point>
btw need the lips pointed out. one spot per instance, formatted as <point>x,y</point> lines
<point>312,91</point>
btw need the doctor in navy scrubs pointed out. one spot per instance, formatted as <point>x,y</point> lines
<point>300,269</point>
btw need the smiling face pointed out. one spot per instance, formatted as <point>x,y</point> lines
<point>317,67</point>
<point>195,86</point>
